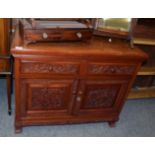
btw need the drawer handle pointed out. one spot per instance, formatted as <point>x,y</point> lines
<point>45,35</point>
<point>79,35</point>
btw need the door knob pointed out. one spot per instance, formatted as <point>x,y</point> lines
<point>78,99</point>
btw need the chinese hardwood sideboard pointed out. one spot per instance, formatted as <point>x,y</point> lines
<point>58,83</point>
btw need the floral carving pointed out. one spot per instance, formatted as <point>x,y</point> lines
<point>108,69</point>
<point>49,68</point>
<point>101,97</point>
<point>48,98</point>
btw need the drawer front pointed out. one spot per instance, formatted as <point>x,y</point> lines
<point>50,67</point>
<point>49,35</point>
<point>110,68</point>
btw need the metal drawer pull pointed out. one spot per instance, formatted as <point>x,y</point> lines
<point>79,35</point>
<point>45,35</point>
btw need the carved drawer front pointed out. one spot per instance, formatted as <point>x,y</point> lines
<point>110,68</point>
<point>53,97</point>
<point>50,67</point>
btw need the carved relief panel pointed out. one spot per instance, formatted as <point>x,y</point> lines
<point>47,96</point>
<point>102,95</point>
<point>101,68</point>
<point>48,67</point>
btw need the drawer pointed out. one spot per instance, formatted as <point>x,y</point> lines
<point>50,67</point>
<point>49,35</point>
<point>110,68</point>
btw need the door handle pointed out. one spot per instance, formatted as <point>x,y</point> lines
<point>79,99</point>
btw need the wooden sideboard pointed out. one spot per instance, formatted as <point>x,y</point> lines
<point>58,83</point>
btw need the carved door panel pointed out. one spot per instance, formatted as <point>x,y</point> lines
<point>45,97</point>
<point>100,97</point>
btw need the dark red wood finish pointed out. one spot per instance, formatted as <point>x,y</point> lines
<point>58,83</point>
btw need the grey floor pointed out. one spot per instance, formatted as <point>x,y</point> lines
<point>137,119</point>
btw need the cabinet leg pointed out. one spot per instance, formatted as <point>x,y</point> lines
<point>112,124</point>
<point>10,112</point>
<point>11,84</point>
<point>9,93</point>
<point>18,129</point>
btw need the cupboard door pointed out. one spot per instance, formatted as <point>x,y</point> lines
<point>46,97</point>
<point>100,97</point>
